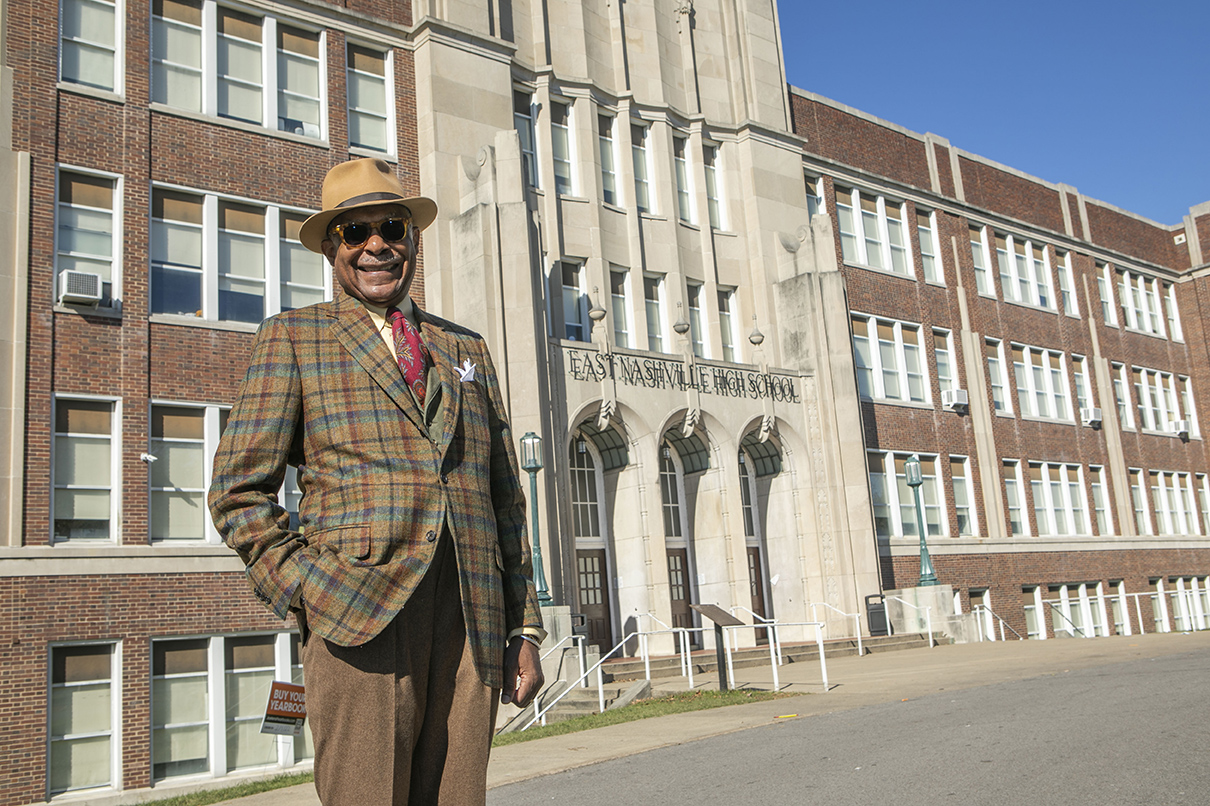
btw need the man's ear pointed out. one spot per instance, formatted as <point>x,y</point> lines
<point>329,250</point>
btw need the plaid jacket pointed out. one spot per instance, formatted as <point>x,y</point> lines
<point>324,394</point>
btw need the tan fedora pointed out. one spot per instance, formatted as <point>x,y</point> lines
<point>362,183</point>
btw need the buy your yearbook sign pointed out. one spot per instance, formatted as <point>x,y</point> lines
<point>286,711</point>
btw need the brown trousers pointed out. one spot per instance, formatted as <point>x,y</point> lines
<point>403,718</point>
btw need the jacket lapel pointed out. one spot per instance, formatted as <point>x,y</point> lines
<point>355,332</point>
<point>443,347</point>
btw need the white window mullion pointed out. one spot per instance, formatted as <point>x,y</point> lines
<point>210,257</point>
<point>210,59</point>
<point>269,83</point>
<point>211,432</point>
<point>273,260</point>
<point>217,712</point>
<point>282,670</point>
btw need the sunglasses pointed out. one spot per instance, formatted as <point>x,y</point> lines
<point>355,233</point>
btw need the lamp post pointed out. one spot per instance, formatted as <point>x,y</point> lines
<point>531,462</point>
<point>911,469</point>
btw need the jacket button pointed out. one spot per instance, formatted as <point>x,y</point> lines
<point>431,536</point>
<point>445,479</point>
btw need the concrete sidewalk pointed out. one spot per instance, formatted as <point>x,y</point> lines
<point>855,682</point>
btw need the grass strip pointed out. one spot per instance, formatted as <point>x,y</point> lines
<point>240,790</point>
<point>679,703</point>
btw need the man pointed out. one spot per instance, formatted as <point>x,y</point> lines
<point>410,574</point>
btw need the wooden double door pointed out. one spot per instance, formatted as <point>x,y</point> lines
<point>593,577</point>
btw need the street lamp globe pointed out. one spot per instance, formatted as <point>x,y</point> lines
<point>531,452</point>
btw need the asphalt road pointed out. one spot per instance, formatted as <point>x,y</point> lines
<point>1124,733</point>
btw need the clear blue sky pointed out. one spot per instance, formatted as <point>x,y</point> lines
<point>1112,97</point>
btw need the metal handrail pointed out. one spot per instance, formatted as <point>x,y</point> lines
<point>772,630</point>
<point>579,641</point>
<point>979,608</point>
<point>1055,607</point>
<point>856,620</point>
<point>823,666</point>
<point>928,617</point>
<point>541,713</point>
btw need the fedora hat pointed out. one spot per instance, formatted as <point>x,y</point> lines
<point>362,183</point>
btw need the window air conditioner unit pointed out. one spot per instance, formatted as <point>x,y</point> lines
<point>954,399</point>
<point>1180,428</point>
<point>80,287</point>
<point>1090,415</point>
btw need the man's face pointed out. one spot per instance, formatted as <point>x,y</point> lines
<point>377,271</point>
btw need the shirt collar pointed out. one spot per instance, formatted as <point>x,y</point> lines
<point>378,315</point>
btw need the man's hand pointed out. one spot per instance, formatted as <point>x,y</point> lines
<point>522,673</point>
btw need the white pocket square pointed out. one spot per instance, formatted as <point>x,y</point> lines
<point>467,371</point>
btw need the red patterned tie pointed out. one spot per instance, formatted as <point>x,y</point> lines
<point>410,351</point>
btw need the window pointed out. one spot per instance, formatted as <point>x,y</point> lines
<point>1079,372</point>
<point>875,237</point>
<point>619,289</point>
<point>994,349</point>
<point>585,509</point>
<point>1187,406</point>
<point>183,441</point>
<point>1172,497</point>
<point>1156,392</point>
<point>926,228</point>
<point>696,334</point>
<point>180,694</point>
<point>1159,605</point>
<point>943,351</point>
<point>1105,288</point>
<point>371,105</point>
<point>1100,508</point>
<point>1067,283</point>
<point>1041,377</point>
<point>1031,603</point>
<point>1024,273</point>
<point>726,323</point>
<point>1015,498</point>
<point>88,45</point>
<point>575,303</point>
<point>641,157</point>
<point>815,201</point>
<point>887,354</point>
<point>980,260</point>
<point>653,297</point>
<point>1142,519</point>
<point>248,670</point>
<point>523,122</point>
<point>960,474</point>
<point>894,503</point>
<point>247,277</point>
<point>1122,396</point>
<point>298,85</point>
<point>609,176</point>
<point>683,193</point>
<point>1140,299</point>
<point>710,160</point>
<point>84,228</point>
<point>1203,501</point>
<point>217,687</point>
<point>263,71</point>
<point>1174,316</point>
<point>560,136</point>
<point>1060,506</point>
<point>83,711</point>
<point>85,469</point>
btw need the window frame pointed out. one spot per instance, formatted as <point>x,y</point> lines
<point>894,503</point>
<point>981,261</point>
<point>209,270</point>
<point>932,255</point>
<point>1142,307</point>
<point>950,358</point>
<point>998,372</point>
<point>1058,498</point>
<point>1098,489</point>
<point>115,716</point>
<point>968,487</point>
<point>728,333</point>
<point>715,190</point>
<point>1105,288</point>
<point>212,422</point>
<point>699,336</point>
<point>388,78</point>
<point>607,145</point>
<point>562,139</point>
<point>272,83</point>
<point>1157,396</point>
<point>580,292</point>
<point>878,373</point>
<point>1053,390</point>
<point>118,50</point>
<point>861,239</point>
<point>1027,270</point>
<point>683,178</point>
<point>117,242</point>
<point>620,306</point>
<point>641,157</point>
<point>658,333</point>
<point>1014,487</point>
<point>115,468</point>
<point>1067,284</point>
<point>526,127</point>
<point>1174,502</point>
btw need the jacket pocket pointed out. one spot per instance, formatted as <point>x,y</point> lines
<point>352,540</point>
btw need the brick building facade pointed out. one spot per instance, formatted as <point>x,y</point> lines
<point>698,292</point>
